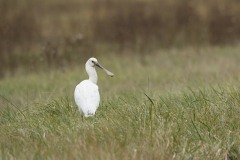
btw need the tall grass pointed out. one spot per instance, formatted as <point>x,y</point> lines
<point>200,124</point>
<point>176,105</point>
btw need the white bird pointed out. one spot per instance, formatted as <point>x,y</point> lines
<point>86,93</point>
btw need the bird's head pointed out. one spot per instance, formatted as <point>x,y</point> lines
<point>94,62</point>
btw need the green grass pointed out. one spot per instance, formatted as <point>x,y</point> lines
<point>172,104</point>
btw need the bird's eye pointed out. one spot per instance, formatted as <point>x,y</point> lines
<point>92,61</point>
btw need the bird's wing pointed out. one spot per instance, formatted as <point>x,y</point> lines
<point>87,97</point>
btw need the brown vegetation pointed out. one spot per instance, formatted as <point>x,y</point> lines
<point>55,33</point>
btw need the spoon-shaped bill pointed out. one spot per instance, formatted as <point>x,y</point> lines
<point>107,71</point>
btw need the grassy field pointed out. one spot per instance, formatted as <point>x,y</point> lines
<point>170,104</point>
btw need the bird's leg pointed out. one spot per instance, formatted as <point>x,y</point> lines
<point>95,115</point>
<point>82,117</point>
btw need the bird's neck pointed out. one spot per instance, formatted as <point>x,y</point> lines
<point>92,74</point>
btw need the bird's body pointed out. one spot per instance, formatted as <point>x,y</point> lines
<point>87,97</point>
<point>86,93</point>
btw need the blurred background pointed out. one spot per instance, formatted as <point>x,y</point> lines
<point>43,34</point>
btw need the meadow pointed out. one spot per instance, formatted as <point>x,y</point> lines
<point>175,93</point>
<point>168,104</point>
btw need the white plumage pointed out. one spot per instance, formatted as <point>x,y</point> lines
<point>86,93</point>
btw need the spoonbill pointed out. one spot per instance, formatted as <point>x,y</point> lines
<point>86,93</point>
